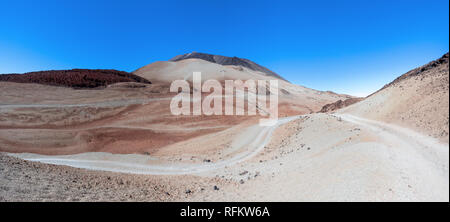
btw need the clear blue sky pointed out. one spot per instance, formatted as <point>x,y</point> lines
<point>350,47</point>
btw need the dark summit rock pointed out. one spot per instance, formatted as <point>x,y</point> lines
<point>225,60</point>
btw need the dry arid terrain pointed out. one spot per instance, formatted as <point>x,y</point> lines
<point>419,100</point>
<point>121,143</point>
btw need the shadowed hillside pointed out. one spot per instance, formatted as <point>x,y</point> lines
<point>339,104</point>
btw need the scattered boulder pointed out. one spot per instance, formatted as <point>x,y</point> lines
<point>243,173</point>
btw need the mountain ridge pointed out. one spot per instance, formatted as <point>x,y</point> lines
<point>226,60</point>
<point>444,59</point>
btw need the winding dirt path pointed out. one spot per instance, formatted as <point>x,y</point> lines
<point>418,156</point>
<point>254,140</point>
<point>429,148</point>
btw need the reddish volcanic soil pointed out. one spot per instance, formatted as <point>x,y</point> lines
<point>76,78</point>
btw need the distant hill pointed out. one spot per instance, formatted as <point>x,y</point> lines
<point>75,78</point>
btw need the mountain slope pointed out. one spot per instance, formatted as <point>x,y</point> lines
<point>418,99</point>
<point>168,71</point>
<point>211,67</point>
<point>225,60</point>
<point>299,99</point>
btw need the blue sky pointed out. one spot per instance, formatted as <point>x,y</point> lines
<point>352,47</point>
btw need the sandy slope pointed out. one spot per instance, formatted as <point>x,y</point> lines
<point>318,157</point>
<point>418,99</point>
<point>119,119</point>
<point>184,69</point>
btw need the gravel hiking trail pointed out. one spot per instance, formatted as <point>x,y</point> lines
<point>250,142</point>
